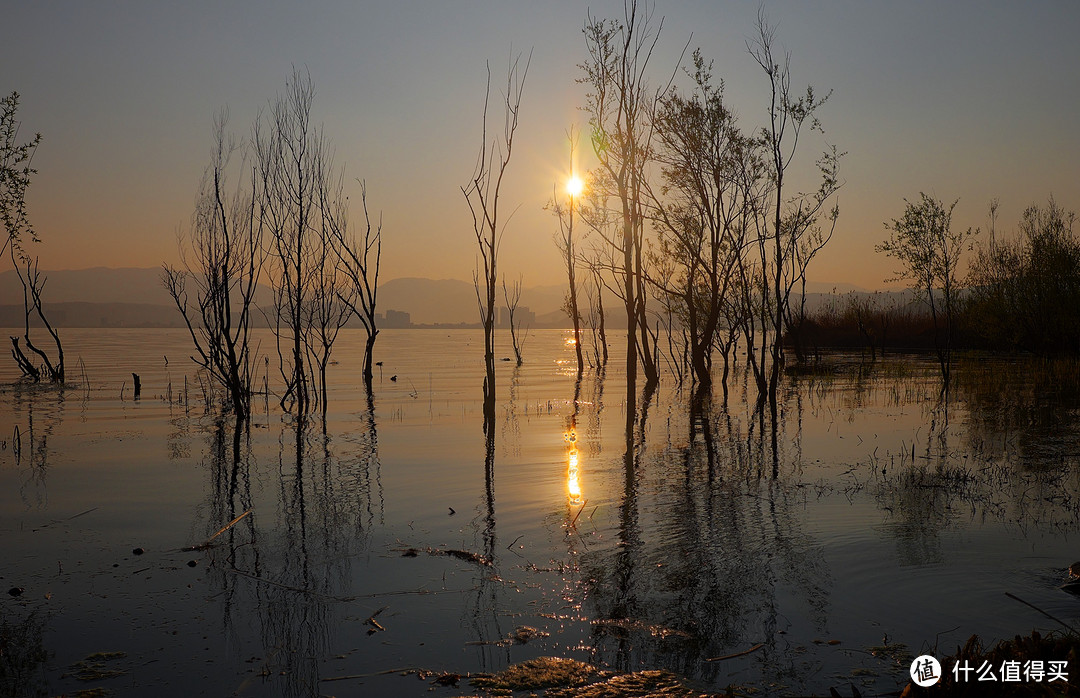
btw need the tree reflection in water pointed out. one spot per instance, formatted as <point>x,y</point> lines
<point>43,407</point>
<point>710,545</point>
<point>280,572</point>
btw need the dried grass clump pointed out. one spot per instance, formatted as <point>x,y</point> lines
<point>543,672</point>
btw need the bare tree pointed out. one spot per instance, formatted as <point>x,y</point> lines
<point>295,163</point>
<point>790,224</point>
<point>360,258</point>
<point>512,296</point>
<point>33,284</point>
<point>482,196</point>
<point>618,105</point>
<point>564,240</point>
<point>221,264</point>
<point>331,293</point>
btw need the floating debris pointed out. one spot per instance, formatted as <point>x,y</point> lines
<point>523,634</point>
<point>640,684</point>
<point>447,679</point>
<point>459,554</point>
<point>375,626</point>
<point>95,667</point>
<point>627,625</point>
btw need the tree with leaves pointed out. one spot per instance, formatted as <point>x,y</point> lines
<point>929,250</point>
<point>16,173</point>
<point>701,207</point>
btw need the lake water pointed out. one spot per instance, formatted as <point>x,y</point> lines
<point>884,515</point>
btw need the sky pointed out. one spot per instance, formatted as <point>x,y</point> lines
<point>962,100</point>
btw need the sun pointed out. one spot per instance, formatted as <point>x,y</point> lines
<point>574,185</point>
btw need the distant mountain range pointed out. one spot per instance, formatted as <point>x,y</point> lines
<point>135,297</point>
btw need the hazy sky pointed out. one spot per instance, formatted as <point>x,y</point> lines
<point>965,100</point>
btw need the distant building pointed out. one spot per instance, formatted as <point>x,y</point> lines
<point>397,319</point>
<point>522,314</point>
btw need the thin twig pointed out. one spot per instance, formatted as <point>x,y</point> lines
<point>82,513</point>
<point>1058,620</point>
<point>384,672</point>
<point>755,648</point>
<point>374,623</point>
<point>227,526</point>
<point>572,523</point>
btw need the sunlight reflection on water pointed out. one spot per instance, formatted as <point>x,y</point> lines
<point>890,513</point>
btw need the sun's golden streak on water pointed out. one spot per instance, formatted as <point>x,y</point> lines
<point>573,481</point>
<point>573,484</point>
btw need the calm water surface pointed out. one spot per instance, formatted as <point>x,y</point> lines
<point>882,512</point>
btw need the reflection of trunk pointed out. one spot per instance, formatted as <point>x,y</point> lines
<point>489,489</point>
<point>489,349</point>
<point>577,399</point>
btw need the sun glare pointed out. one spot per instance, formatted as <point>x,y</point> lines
<point>574,185</point>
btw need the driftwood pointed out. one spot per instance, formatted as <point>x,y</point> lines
<point>209,541</point>
<point>755,648</point>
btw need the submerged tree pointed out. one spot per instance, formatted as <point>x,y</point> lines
<point>298,195</point>
<point>618,106</point>
<point>512,296</point>
<point>1025,292</point>
<point>564,240</point>
<point>16,174</point>
<point>221,265</point>
<point>360,259</point>
<point>929,250</point>
<point>482,196</point>
<point>701,212</point>
<point>287,223</point>
<point>788,224</point>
